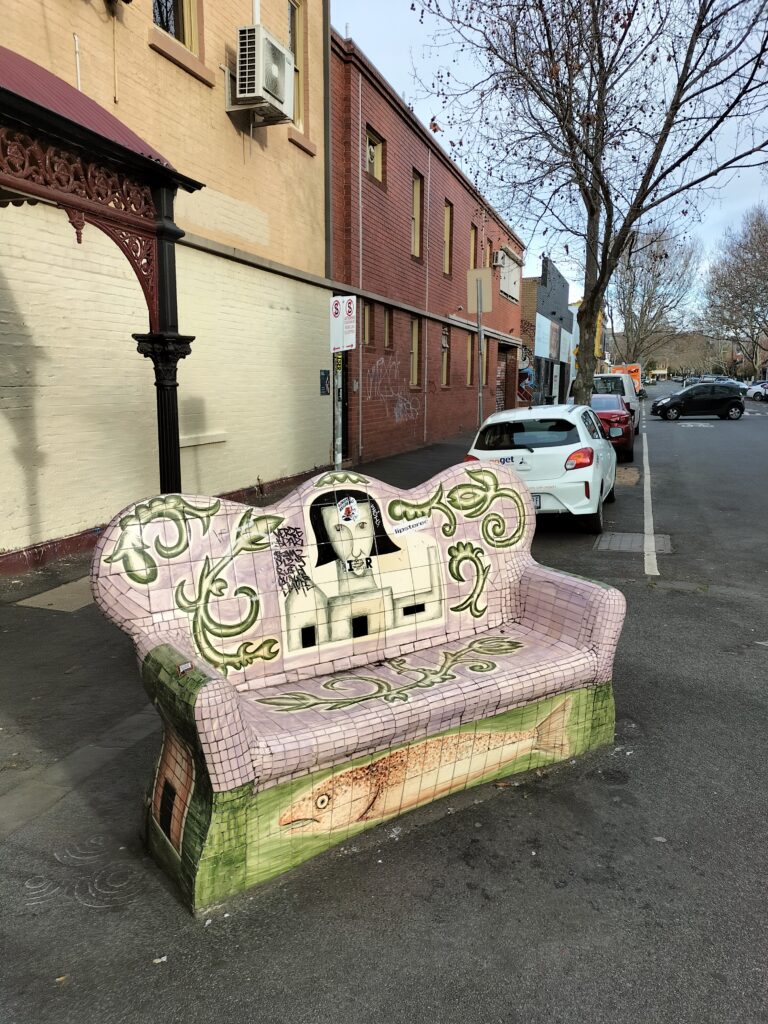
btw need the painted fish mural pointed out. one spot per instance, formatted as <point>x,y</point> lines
<point>421,772</point>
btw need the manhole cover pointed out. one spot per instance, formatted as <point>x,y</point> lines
<point>632,542</point>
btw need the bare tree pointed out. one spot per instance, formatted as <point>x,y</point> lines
<point>737,289</point>
<point>650,293</point>
<point>585,117</point>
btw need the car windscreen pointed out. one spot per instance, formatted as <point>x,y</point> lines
<point>607,403</point>
<point>608,386</point>
<point>537,432</point>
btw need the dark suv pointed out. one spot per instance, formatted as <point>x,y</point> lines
<point>723,400</point>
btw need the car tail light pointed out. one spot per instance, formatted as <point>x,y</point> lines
<point>471,458</point>
<point>580,459</point>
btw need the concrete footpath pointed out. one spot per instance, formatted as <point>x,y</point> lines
<point>628,886</point>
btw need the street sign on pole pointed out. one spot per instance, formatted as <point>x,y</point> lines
<point>343,317</point>
<point>343,322</point>
<point>479,309</point>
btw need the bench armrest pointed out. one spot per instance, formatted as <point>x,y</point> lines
<point>199,703</point>
<point>579,611</point>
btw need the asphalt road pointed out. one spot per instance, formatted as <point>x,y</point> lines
<point>628,887</point>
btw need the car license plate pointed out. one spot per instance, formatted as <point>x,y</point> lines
<point>536,500</point>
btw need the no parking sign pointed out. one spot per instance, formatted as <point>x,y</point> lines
<point>343,322</point>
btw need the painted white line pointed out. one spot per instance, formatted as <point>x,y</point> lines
<point>649,544</point>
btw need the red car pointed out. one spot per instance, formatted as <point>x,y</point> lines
<point>612,411</point>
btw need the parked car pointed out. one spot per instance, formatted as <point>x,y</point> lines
<point>563,454</point>
<point>618,384</point>
<point>759,391</point>
<point>612,411</point>
<point>723,400</point>
<point>743,388</point>
<point>691,380</point>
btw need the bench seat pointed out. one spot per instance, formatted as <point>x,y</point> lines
<point>403,644</point>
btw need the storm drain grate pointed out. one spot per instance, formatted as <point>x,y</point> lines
<point>632,542</point>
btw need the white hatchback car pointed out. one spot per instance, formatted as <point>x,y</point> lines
<point>562,452</point>
<point>759,391</point>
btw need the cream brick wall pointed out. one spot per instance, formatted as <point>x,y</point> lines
<point>266,194</point>
<point>77,403</point>
<point>254,374</point>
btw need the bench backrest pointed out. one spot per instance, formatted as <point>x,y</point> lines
<point>344,571</point>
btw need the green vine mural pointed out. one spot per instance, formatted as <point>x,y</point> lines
<point>138,563</point>
<point>330,479</point>
<point>475,656</point>
<point>458,554</point>
<point>473,500</point>
<point>251,534</point>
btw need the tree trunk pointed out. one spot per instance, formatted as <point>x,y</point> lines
<point>587,315</point>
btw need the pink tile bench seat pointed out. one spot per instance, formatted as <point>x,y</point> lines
<point>348,619</point>
<point>281,745</point>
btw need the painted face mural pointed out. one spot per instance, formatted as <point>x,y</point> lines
<point>350,529</point>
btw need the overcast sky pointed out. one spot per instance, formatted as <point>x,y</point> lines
<point>389,34</point>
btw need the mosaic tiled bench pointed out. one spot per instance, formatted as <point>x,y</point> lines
<point>346,655</point>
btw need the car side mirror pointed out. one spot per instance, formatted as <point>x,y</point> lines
<point>615,432</point>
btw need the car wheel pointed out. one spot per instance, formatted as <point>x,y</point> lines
<point>735,412</point>
<point>757,397</point>
<point>629,454</point>
<point>672,414</point>
<point>593,523</point>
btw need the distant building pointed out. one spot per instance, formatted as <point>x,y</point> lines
<point>407,226</point>
<point>547,326</point>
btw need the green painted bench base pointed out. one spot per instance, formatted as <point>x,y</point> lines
<point>231,841</point>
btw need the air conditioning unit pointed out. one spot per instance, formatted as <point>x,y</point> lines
<point>264,76</point>
<point>499,258</point>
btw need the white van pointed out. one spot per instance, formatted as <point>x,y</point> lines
<point>618,384</point>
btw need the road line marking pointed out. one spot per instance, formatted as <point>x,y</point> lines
<point>649,548</point>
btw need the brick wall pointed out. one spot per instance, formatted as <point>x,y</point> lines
<point>78,433</point>
<point>372,252</point>
<point>264,193</point>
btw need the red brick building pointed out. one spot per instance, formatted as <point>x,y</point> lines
<point>407,225</point>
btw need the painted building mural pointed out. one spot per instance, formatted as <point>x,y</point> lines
<point>344,656</point>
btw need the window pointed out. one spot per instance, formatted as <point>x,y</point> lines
<point>415,346</point>
<point>472,247</point>
<point>374,155</point>
<point>387,327</point>
<point>488,251</point>
<point>367,324</point>
<point>612,385</point>
<point>589,424</point>
<point>530,433</point>
<point>179,19</point>
<point>417,192</point>
<point>445,357</point>
<point>470,359</point>
<point>509,279</point>
<point>296,46</point>
<point>447,237</point>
